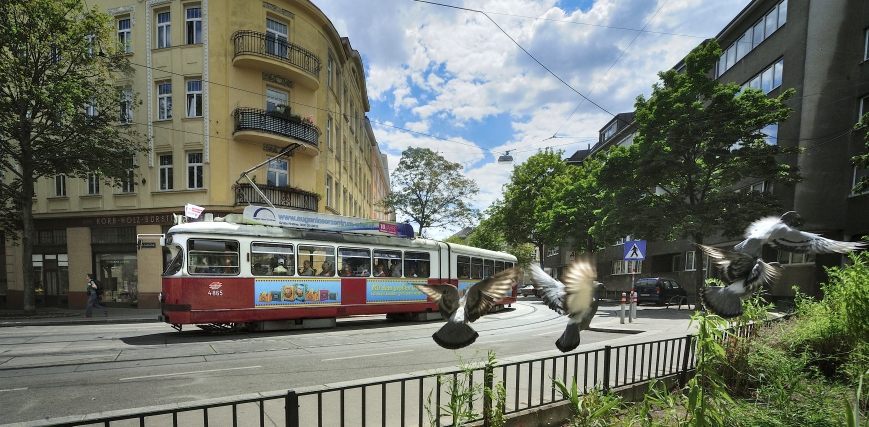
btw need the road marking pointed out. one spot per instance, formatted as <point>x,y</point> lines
<point>549,333</point>
<point>366,355</point>
<point>14,389</point>
<point>188,373</point>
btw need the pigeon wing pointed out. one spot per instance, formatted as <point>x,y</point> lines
<point>553,291</point>
<point>581,291</point>
<point>763,274</point>
<point>785,238</point>
<point>733,265</point>
<point>481,296</point>
<point>445,295</point>
<point>756,234</point>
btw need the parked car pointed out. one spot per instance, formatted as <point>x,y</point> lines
<point>659,290</point>
<point>527,291</point>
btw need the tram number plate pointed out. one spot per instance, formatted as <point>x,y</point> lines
<point>215,293</point>
<point>214,289</point>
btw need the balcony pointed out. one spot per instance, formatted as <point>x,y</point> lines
<point>267,53</point>
<point>281,197</point>
<point>263,127</point>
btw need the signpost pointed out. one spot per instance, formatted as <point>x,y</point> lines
<point>635,250</point>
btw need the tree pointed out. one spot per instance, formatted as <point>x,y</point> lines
<point>487,235</point>
<point>696,140</point>
<point>524,214</point>
<point>60,108</point>
<point>430,191</point>
<point>573,199</point>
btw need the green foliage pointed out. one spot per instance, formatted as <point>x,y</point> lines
<point>707,398</point>
<point>852,408</point>
<point>431,191</point>
<point>592,409</point>
<point>696,139</point>
<point>847,295</point>
<point>463,392</point>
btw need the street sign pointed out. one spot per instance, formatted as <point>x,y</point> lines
<point>635,250</point>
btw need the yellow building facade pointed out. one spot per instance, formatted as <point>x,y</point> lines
<point>224,86</point>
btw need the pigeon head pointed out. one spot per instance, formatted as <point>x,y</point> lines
<point>792,219</point>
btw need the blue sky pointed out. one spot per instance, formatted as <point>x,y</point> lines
<point>453,81</point>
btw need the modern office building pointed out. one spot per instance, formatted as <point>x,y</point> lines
<point>821,49</point>
<point>226,85</point>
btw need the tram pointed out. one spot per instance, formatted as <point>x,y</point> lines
<point>274,269</point>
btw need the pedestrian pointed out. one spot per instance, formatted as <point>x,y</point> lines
<point>93,298</point>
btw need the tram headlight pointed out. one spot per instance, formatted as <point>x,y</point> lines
<point>160,297</point>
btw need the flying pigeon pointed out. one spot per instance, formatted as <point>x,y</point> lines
<point>745,274</point>
<point>779,233</point>
<point>459,311</point>
<point>576,298</point>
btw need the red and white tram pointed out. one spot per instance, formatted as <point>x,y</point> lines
<point>228,274</point>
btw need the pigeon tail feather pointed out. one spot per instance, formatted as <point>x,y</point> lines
<point>721,302</point>
<point>569,339</point>
<point>455,335</point>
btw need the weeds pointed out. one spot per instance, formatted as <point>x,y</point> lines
<point>592,409</point>
<point>462,393</point>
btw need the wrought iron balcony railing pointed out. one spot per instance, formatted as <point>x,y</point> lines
<point>255,43</point>
<point>276,124</point>
<point>282,197</point>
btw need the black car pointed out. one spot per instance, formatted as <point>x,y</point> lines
<point>659,290</point>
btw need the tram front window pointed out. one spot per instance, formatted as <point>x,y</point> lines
<point>212,257</point>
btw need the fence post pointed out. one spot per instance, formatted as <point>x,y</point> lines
<point>488,391</point>
<point>686,355</point>
<point>606,368</point>
<point>291,407</point>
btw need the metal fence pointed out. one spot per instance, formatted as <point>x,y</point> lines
<point>406,400</point>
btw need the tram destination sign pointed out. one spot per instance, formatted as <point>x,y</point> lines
<point>312,220</point>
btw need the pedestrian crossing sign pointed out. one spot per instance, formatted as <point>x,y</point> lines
<point>635,250</point>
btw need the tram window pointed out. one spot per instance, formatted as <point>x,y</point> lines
<point>316,260</point>
<point>416,264</point>
<point>464,263</point>
<point>270,259</point>
<point>354,262</point>
<point>476,268</point>
<point>212,257</point>
<point>174,265</point>
<point>509,265</point>
<point>383,260</point>
<point>488,268</point>
<point>499,266</point>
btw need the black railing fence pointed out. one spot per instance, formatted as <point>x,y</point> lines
<point>264,121</point>
<point>279,196</point>
<point>261,44</point>
<point>406,400</point>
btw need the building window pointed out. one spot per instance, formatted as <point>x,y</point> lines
<point>329,190</point>
<point>276,97</point>
<point>676,262</point>
<point>93,181</point>
<point>91,108</point>
<point>194,170</point>
<point>793,258</point>
<point>772,21</point>
<point>126,107</point>
<point>329,65</point>
<point>626,267</point>
<point>689,261</point>
<point>278,172</point>
<point>553,251</point>
<point>163,30</point>
<point>770,133</point>
<point>128,184</point>
<point>768,79</point>
<point>166,172</point>
<point>194,25</point>
<point>164,101</point>
<point>329,131</point>
<point>864,107</point>
<point>276,38</point>
<point>336,195</point>
<point>124,40</point>
<point>194,98</point>
<point>866,44</point>
<point>60,185</point>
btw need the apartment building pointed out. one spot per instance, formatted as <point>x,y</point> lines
<point>821,49</point>
<point>237,95</point>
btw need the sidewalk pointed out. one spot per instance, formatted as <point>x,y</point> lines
<point>61,316</point>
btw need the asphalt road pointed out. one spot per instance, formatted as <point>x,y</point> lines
<point>54,371</point>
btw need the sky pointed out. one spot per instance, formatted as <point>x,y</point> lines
<point>512,75</point>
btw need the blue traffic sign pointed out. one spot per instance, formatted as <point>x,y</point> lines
<point>635,250</point>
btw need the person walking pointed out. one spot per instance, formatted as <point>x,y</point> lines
<point>93,298</point>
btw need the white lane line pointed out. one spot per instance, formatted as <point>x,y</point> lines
<point>187,373</point>
<point>14,389</point>
<point>548,333</point>
<point>366,355</point>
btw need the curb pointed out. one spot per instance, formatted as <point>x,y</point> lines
<point>73,321</point>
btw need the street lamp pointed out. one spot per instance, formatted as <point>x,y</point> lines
<point>506,158</point>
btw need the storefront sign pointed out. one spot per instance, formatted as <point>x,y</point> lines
<point>149,245</point>
<point>105,221</point>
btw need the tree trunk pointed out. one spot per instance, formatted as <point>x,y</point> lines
<point>27,241</point>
